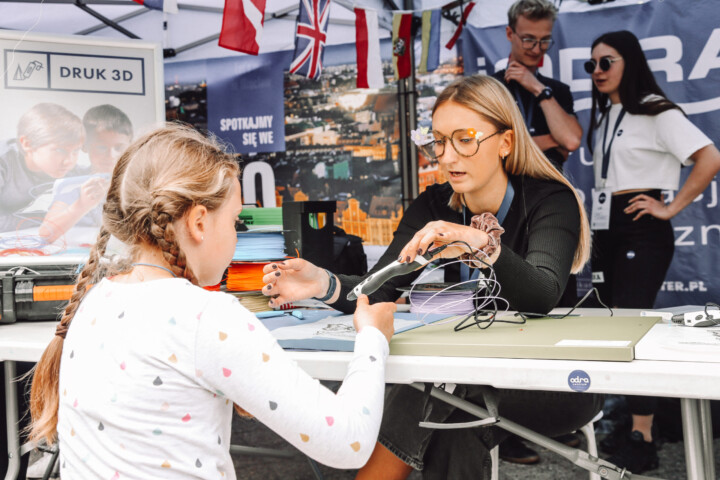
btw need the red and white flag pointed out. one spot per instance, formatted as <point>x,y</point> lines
<point>367,44</point>
<point>465,15</point>
<point>242,25</point>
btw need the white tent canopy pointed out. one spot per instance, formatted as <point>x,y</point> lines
<point>193,31</point>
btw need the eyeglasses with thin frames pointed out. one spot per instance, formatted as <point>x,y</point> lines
<point>605,64</point>
<point>464,141</point>
<point>528,43</point>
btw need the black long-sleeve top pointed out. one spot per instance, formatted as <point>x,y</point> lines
<point>542,228</point>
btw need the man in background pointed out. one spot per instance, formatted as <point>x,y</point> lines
<point>546,104</point>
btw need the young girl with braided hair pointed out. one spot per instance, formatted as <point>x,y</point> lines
<point>140,378</point>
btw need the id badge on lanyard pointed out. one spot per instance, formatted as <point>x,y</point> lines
<point>600,218</point>
<point>602,197</point>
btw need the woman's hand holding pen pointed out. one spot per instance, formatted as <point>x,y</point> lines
<point>293,279</point>
<point>438,233</point>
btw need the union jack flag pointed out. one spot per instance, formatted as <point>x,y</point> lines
<point>310,37</point>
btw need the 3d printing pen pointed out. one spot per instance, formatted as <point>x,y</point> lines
<point>377,279</point>
<point>701,318</point>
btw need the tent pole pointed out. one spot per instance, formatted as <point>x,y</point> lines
<point>411,96</point>
<point>408,122</point>
<point>404,154</point>
<point>136,13</point>
<point>105,20</point>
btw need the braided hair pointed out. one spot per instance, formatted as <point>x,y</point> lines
<point>157,180</point>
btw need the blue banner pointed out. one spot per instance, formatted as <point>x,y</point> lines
<point>682,45</point>
<point>245,101</point>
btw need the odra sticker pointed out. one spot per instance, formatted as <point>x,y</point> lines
<point>579,381</point>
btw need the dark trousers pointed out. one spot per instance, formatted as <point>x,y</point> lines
<point>633,257</point>
<point>464,453</point>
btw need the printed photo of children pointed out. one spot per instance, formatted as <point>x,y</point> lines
<point>46,147</point>
<point>77,200</point>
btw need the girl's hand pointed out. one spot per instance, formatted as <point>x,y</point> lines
<point>379,315</point>
<point>292,280</point>
<point>644,204</point>
<point>439,233</point>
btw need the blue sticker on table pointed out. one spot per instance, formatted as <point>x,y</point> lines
<point>579,381</point>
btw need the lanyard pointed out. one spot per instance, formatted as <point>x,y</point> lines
<point>606,151</point>
<point>527,115</point>
<point>501,214</point>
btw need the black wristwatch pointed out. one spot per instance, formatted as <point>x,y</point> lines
<point>544,94</point>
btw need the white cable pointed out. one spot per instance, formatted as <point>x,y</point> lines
<point>491,288</point>
<point>12,57</point>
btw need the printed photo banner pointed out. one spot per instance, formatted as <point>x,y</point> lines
<point>71,105</point>
<point>683,48</point>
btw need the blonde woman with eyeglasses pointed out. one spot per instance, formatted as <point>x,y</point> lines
<point>536,234</point>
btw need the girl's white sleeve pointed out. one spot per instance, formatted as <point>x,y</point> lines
<point>241,360</point>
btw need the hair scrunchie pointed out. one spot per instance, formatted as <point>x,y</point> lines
<point>485,222</point>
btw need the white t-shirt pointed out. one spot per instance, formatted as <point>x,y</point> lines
<point>149,373</point>
<point>648,151</point>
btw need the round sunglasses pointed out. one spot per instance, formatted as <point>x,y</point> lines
<point>605,64</point>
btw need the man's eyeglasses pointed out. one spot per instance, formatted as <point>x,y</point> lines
<point>605,64</point>
<point>528,43</point>
<point>465,141</point>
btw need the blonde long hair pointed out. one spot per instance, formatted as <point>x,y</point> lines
<point>156,180</point>
<point>490,99</point>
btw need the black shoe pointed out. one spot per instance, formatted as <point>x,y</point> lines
<point>617,439</point>
<point>513,450</point>
<point>569,439</point>
<point>614,440</point>
<point>636,454</point>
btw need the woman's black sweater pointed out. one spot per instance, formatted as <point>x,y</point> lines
<point>542,228</point>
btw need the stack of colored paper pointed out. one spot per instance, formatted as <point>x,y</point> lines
<point>257,246</point>
<point>265,219</point>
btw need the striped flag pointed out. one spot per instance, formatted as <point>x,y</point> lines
<point>167,6</point>
<point>242,25</point>
<point>430,57</point>
<point>310,38</point>
<point>402,44</point>
<point>465,15</point>
<point>367,44</point>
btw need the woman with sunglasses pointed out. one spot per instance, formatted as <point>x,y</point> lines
<point>494,169</point>
<point>640,140</point>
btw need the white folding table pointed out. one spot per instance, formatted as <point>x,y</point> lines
<point>695,383</point>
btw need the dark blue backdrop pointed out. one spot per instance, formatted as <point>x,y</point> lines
<point>245,101</point>
<point>683,47</point>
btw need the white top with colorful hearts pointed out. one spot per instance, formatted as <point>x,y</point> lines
<point>149,373</point>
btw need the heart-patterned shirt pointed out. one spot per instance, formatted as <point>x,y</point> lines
<point>150,371</point>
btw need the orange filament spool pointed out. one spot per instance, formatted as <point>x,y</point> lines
<point>245,276</point>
